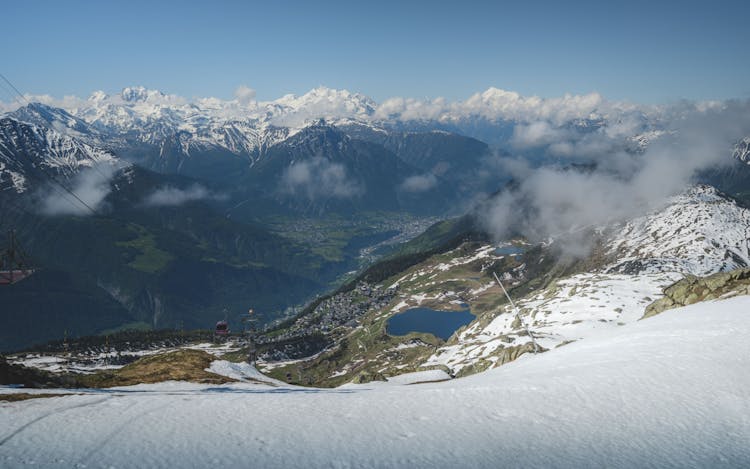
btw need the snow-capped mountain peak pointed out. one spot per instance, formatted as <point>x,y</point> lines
<point>331,100</point>
<point>140,115</point>
<point>28,151</point>
<point>42,115</point>
<point>98,96</point>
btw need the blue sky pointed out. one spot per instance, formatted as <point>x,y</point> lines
<point>655,51</point>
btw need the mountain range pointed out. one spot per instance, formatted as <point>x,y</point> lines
<point>144,209</point>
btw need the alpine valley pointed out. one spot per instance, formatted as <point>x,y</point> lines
<point>501,281</point>
<point>147,211</point>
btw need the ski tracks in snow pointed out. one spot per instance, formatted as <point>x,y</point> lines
<point>54,412</point>
<point>120,427</point>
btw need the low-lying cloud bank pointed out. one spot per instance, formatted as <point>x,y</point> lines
<point>419,183</point>
<point>319,178</point>
<point>561,201</point>
<point>90,186</point>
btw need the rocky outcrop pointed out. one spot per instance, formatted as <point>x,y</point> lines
<point>368,376</point>
<point>694,289</point>
<point>500,357</point>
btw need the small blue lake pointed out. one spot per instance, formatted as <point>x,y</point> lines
<point>438,323</point>
<point>508,250</point>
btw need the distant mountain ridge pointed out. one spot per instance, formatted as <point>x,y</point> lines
<point>246,126</point>
<point>417,171</point>
<point>459,142</point>
<point>28,150</point>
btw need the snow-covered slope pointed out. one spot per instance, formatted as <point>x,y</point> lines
<point>30,153</point>
<point>742,150</point>
<point>669,391</point>
<point>57,119</point>
<point>697,233</point>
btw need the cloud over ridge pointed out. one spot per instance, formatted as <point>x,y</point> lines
<point>319,178</point>
<point>560,201</point>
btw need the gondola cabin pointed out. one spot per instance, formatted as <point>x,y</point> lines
<point>222,329</point>
<point>13,267</point>
<point>9,277</point>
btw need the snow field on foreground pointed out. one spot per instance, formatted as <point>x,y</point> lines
<point>669,391</point>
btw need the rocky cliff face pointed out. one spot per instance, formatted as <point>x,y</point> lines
<point>694,289</point>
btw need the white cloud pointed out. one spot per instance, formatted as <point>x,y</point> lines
<point>91,186</point>
<point>536,134</point>
<point>244,94</point>
<point>554,201</point>
<point>419,183</point>
<point>319,178</point>
<point>500,105</point>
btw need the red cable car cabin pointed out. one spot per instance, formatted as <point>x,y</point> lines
<point>9,277</point>
<point>13,269</point>
<point>222,329</point>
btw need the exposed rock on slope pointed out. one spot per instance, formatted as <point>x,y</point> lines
<point>693,289</point>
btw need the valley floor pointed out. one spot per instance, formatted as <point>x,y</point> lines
<point>668,391</point>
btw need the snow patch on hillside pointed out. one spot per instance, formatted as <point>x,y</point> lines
<point>241,372</point>
<point>699,232</point>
